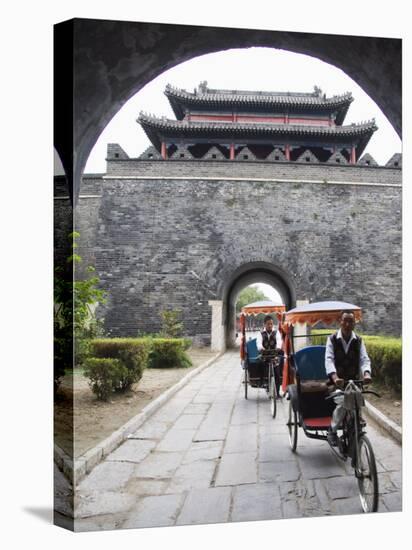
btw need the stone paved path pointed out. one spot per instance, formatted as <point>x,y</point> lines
<point>208,456</point>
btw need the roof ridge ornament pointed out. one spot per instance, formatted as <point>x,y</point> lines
<point>318,91</point>
<point>203,89</point>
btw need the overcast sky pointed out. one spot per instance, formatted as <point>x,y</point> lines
<point>243,69</point>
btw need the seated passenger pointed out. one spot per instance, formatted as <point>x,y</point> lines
<point>270,339</point>
<point>345,359</point>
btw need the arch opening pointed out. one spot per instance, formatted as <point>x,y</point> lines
<point>124,130</point>
<point>252,274</point>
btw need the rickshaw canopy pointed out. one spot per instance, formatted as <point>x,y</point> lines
<point>320,312</point>
<point>263,306</point>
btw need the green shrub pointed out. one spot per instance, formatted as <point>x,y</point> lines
<point>133,354</point>
<point>319,336</point>
<point>105,376</point>
<point>169,353</point>
<point>187,342</point>
<point>386,358</point>
<point>172,326</point>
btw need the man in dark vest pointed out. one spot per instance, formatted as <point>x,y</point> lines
<point>345,359</point>
<point>270,339</point>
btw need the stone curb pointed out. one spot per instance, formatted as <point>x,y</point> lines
<point>384,422</point>
<point>83,465</point>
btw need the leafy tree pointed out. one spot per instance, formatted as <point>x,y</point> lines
<point>249,295</point>
<point>74,321</point>
<point>172,327</point>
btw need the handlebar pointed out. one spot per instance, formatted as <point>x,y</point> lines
<point>371,391</point>
<point>359,383</point>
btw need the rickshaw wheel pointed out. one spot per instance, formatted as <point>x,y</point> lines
<point>245,382</point>
<point>367,476</point>
<point>272,396</point>
<point>292,428</point>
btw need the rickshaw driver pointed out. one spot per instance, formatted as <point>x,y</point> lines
<point>270,339</point>
<point>345,359</point>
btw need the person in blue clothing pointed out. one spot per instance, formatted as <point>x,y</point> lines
<point>345,359</point>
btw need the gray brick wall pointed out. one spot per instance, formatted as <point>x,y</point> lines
<point>147,237</point>
<point>227,169</point>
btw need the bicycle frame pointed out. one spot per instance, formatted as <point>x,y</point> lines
<point>352,428</point>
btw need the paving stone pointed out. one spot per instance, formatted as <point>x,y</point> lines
<point>211,430</point>
<point>396,478</point>
<point>275,447</point>
<point>151,430</point>
<point>159,465</point>
<point>237,468</point>
<point>297,490</point>
<point>391,462</point>
<point>205,506</point>
<point>176,440</point>
<point>171,410</point>
<point>196,408</point>
<point>278,471</point>
<point>393,501</point>
<point>290,509</point>
<point>154,511</point>
<point>108,476</point>
<point>344,506</point>
<point>242,418</point>
<point>322,495</point>
<point>96,503</point>
<point>256,502</point>
<point>241,439</point>
<point>196,475</point>
<point>268,425</point>
<point>224,397</point>
<point>203,450</point>
<point>319,463</point>
<point>301,499</point>
<point>379,467</point>
<point>386,483</point>
<point>106,522</point>
<point>341,487</point>
<point>146,487</point>
<point>188,421</point>
<point>220,410</point>
<point>204,398</point>
<point>133,450</point>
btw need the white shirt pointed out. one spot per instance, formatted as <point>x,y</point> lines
<point>259,340</point>
<point>364,361</point>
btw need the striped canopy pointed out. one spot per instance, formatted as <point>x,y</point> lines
<point>321,312</point>
<point>263,306</point>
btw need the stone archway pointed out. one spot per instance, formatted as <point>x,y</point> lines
<point>113,60</point>
<point>224,311</point>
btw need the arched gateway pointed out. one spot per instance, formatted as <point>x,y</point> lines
<point>247,274</point>
<point>304,212</point>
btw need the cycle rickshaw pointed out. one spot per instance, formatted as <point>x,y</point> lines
<point>312,401</point>
<point>255,375</point>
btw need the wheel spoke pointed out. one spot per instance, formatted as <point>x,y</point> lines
<point>367,476</point>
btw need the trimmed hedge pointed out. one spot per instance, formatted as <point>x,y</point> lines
<point>169,353</point>
<point>133,354</point>
<point>386,358</point>
<point>117,363</point>
<point>106,376</point>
